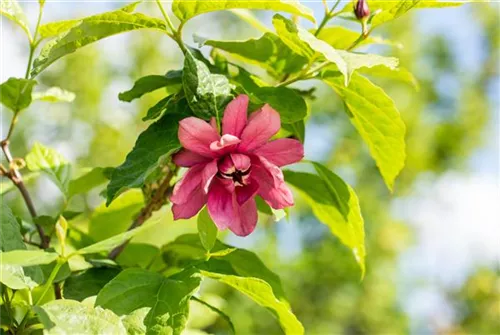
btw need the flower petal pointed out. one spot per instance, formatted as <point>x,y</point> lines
<point>224,145</point>
<point>190,208</point>
<point>248,219</point>
<point>213,123</point>
<point>235,116</point>
<point>221,206</point>
<point>245,193</point>
<point>282,152</point>
<point>208,174</point>
<point>260,128</point>
<point>241,162</point>
<point>187,185</point>
<point>196,135</point>
<point>186,158</point>
<point>272,187</point>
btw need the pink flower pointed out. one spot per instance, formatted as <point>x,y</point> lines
<point>227,172</point>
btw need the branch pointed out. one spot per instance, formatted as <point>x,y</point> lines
<point>155,203</point>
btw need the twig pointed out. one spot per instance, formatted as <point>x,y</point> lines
<point>155,203</point>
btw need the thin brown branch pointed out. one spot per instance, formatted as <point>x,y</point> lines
<point>15,176</point>
<point>157,201</point>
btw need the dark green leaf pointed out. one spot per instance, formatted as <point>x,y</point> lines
<point>207,230</point>
<point>159,140</point>
<point>206,93</point>
<point>87,181</point>
<point>15,93</point>
<point>297,129</point>
<point>168,298</point>
<point>72,317</point>
<point>185,10</point>
<point>377,119</point>
<point>63,273</point>
<point>90,30</point>
<point>88,283</point>
<point>335,204</point>
<point>291,106</point>
<point>171,80</point>
<point>50,162</point>
<point>268,51</point>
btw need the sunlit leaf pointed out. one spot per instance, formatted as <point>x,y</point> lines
<point>342,38</point>
<point>377,120</point>
<point>28,257</point>
<point>185,10</point>
<point>54,94</point>
<point>306,44</point>
<point>73,317</point>
<point>53,29</point>
<point>90,30</point>
<point>399,74</point>
<point>51,163</point>
<point>261,292</point>
<point>335,204</point>
<point>15,93</point>
<point>206,93</point>
<point>112,242</point>
<point>168,298</point>
<point>11,10</point>
<point>207,230</point>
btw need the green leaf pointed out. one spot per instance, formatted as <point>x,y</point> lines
<point>206,93</point>
<point>53,29</point>
<point>262,293</point>
<point>112,242</point>
<point>159,140</point>
<point>72,317</point>
<point>13,275</point>
<point>90,30</point>
<point>27,257</point>
<point>377,120</point>
<point>11,10</point>
<point>290,105</point>
<point>152,83</point>
<point>15,93</point>
<point>399,74</point>
<point>207,230</point>
<point>50,162</point>
<point>168,298</point>
<point>54,94</point>
<point>268,51</point>
<point>134,322</point>
<point>297,129</point>
<point>306,44</point>
<point>218,311</point>
<point>87,181</point>
<point>335,204</point>
<point>88,283</point>
<point>342,38</point>
<point>121,212</point>
<point>186,10</point>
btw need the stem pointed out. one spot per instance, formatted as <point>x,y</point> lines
<point>166,17</point>
<point>154,204</point>
<point>34,42</point>
<point>52,276</point>
<point>303,76</point>
<point>361,38</point>
<point>328,16</point>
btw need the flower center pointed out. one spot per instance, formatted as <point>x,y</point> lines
<point>235,167</point>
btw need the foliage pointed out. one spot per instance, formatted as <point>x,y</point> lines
<point>75,251</point>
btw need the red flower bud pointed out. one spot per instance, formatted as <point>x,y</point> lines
<point>361,9</point>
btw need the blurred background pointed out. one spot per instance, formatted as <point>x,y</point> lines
<point>433,246</point>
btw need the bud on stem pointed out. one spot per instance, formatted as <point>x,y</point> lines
<point>361,10</point>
